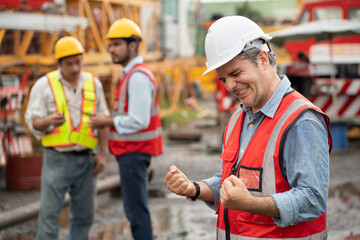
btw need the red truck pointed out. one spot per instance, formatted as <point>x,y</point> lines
<point>331,83</point>
<point>24,4</point>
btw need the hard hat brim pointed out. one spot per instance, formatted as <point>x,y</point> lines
<point>216,66</point>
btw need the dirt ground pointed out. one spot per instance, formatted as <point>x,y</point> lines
<point>175,218</point>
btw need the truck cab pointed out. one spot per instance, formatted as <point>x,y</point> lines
<point>327,71</point>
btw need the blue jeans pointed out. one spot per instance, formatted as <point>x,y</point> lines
<point>61,173</point>
<point>134,189</point>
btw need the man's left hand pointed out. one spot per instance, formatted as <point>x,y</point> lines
<point>97,120</point>
<point>100,160</point>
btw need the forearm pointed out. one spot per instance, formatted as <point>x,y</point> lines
<point>41,124</point>
<point>262,206</point>
<point>214,183</point>
<point>103,140</point>
<point>206,193</point>
<point>108,121</point>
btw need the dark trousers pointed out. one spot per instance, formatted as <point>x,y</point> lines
<point>134,189</point>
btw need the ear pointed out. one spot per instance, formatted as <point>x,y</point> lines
<point>263,59</point>
<point>132,46</point>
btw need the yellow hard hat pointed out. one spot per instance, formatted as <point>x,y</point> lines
<point>68,46</point>
<point>124,28</point>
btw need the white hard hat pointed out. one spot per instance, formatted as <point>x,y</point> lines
<point>229,36</point>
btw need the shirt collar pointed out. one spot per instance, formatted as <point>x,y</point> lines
<point>270,107</point>
<point>132,63</point>
<point>82,77</point>
<point>60,76</point>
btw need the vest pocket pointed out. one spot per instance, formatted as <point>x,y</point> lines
<point>252,178</point>
<point>254,218</point>
<point>229,154</point>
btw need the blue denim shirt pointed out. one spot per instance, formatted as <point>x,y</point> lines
<point>306,162</point>
<point>139,101</point>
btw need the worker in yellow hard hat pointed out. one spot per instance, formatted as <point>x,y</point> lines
<point>58,113</point>
<point>135,133</point>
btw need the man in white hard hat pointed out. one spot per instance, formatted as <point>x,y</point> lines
<point>274,178</point>
<point>58,113</point>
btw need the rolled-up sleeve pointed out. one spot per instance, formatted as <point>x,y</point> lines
<point>35,106</point>
<point>306,165</point>
<point>214,183</point>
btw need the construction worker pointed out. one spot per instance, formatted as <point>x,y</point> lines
<point>135,133</point>
<point>274,178</point>
<point>58,113</point>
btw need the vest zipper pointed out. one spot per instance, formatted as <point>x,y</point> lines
<point>226,211</point>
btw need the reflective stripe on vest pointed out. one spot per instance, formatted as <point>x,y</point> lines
<point>269,152</point>
<point>66,135</point>
<point>121,94</point>
<point>221,236</point>
<point>148,140</point>
<point>261,170</point>
<point>141,136</point>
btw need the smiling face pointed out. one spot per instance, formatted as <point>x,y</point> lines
<point>252,84</point>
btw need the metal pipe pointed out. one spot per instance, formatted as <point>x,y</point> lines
<point>31,211</point>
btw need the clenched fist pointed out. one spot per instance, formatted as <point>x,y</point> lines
<point>178,183</point>
<point>235,195</point>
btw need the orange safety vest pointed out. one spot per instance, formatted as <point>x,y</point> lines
<point>148,140</point>
<point>261,171</point>
<point>65,135</point>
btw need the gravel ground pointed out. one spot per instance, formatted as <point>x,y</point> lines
<point>178,219</point>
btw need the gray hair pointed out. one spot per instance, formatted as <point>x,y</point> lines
<point>252,54</point>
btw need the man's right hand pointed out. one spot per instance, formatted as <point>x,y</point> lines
<point>98,120</point>
<point>56,119</point>
<point>178,183</point>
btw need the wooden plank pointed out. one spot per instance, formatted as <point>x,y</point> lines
<point>51,43</point>
<point>25,43</point>
<point>43,42</point>
<point>80,32</point>
<point>17,42</point>
<point>110,13</point>
<point>2,34</point>
<point>104,19</point>
<point>93,26</point>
